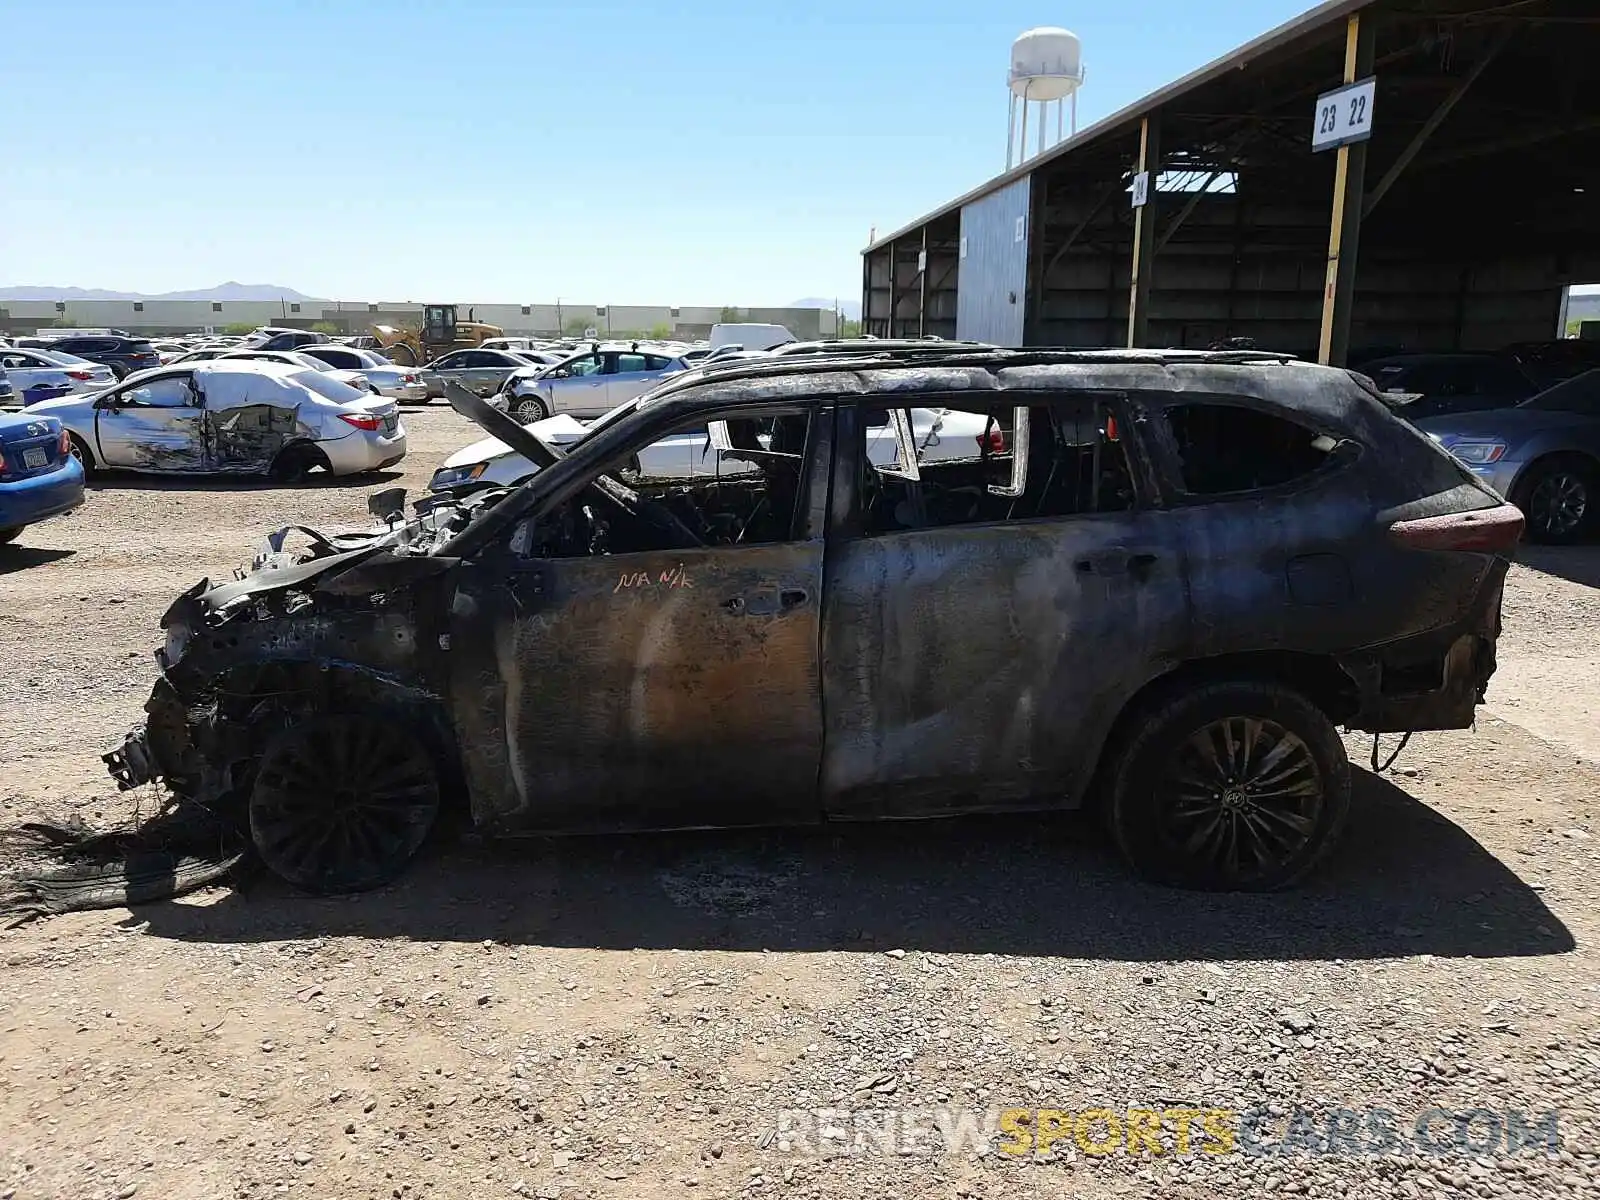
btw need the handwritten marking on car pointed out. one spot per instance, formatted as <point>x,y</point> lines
<point>673,577</point>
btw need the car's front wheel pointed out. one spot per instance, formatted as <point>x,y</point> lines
<point>1238,786</point>
<point>343,803</point>
<point>529,409</point>
<point>1559,497</point>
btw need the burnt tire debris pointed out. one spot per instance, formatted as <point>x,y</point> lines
<point>73,868</point>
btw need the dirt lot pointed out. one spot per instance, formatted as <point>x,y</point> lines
<point>636,1017</point>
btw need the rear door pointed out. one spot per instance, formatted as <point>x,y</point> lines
<point>153,425</point>
<point>632,373</point>
<point>988,614</point>
<point>609,677</point>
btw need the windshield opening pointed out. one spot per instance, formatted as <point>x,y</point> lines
<point>1580,394</point>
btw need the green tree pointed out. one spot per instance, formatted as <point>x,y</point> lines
<point>729,315</point>
<point>660,333</point>
<point>849,328</point>
<point>327,327</point>
<point>238,327</point>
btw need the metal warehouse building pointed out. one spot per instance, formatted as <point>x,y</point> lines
<point>1456,224</point>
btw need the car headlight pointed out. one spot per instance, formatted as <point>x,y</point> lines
<point>449,477</point>
<point>1479,454</point>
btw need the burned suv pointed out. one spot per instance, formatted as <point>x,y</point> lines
<point>1151,582</point>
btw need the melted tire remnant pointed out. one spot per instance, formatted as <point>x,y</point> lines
<point>173,853</point>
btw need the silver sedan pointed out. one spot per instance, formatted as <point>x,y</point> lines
<point>232,417</point>
<point>482,372</point>
<point>400,383</point>
<point>1543,455</point>
<point>43,374</point>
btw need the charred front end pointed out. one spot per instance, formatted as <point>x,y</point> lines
<point>315,674</point>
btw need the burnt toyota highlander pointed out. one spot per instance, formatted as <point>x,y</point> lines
<point>1151,582</point>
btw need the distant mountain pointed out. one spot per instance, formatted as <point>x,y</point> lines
<point>850,308</point>
<point>223,291</point>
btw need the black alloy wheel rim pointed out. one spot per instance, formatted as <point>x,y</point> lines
<point>1558,503</point>
<point>343,803</point>
<point>1243,798</point>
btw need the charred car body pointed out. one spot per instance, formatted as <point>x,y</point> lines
<point>1157,583</point>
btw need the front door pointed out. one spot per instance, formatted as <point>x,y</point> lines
<point>984,625</point>
<point>155,425</point>
<point>648,687</point>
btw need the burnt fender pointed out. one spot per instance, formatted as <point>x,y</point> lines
<point>385,572</point>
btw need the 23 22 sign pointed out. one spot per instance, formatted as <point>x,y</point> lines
<point>1344,115</point>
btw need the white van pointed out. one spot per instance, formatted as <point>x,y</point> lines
<point>750,335</point>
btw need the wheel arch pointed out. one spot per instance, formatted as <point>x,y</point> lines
<point>1543,456</point>
<point>1318,677</point>
<point>247,702</point>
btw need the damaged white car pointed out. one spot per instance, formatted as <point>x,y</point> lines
<point>937,433</point>
<point>232,417</point>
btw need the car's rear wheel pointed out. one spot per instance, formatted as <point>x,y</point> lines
<point>1230,787</point>
<point>1560,497</point>
<point>529,409</point>
<point>295,462</point>
<point>343,803</point>
<point>117,369</point>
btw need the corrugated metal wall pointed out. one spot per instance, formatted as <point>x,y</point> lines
<point>991,298</point>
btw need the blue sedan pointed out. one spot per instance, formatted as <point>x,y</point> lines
<point>39,477</point>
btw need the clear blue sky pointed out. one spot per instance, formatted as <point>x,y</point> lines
<point>616,151</point>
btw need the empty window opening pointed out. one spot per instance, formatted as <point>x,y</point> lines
<point>937,466</point>
<point>1228,448</point>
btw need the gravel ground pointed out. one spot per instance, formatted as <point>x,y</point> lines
<point>666,1015</point>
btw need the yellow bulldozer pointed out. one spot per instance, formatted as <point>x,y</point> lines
<point>441,332</point>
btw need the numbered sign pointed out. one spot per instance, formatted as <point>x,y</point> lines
<point>1344,115</point>
<point>1141,189</point>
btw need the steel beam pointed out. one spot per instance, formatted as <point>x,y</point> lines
<point>1144,233</point>
<point>1416,144</point>
<point>922,286</point>
<point>1344,230</point>
<point>1186,211</point>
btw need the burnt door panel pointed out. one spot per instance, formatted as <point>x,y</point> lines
<point>650,690</point>
<point>981,666</point>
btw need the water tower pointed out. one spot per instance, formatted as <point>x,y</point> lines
<point>1046,68</point>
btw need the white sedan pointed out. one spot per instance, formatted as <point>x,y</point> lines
<point>45,374</point>
<point>232,417</point>
<point>939,433</point>
<point>401,383</point>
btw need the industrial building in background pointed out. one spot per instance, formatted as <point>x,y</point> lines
<point>1372,176</point>
<point>152,317</point>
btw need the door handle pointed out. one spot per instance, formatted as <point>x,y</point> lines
<point>765,603</point>
<point>1116,563</point>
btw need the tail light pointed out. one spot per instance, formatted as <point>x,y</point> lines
<point>1111,427</point>
<point>363,422</point>
<point>1484,530</point>
<point>410,379</point>
<point>81,376</point>
<point>66,442</point>
<point>992,441</point>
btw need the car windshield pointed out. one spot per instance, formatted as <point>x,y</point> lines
<point>1580,394</point>
<point>328,388</point>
